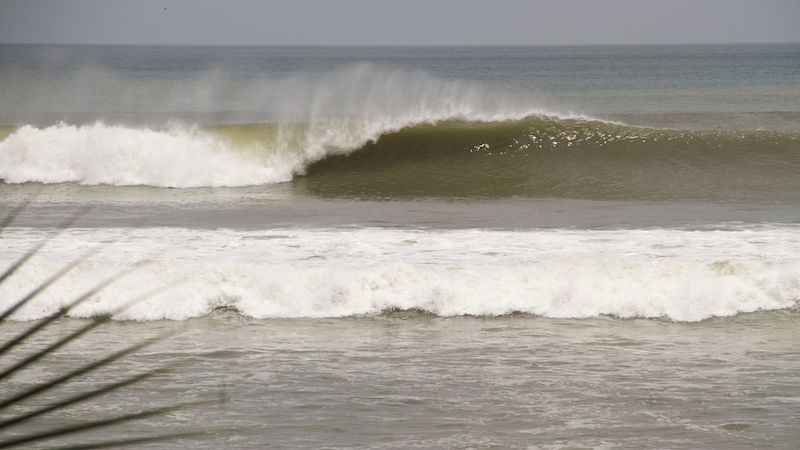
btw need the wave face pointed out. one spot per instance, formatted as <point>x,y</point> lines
<point>573,158</point>
<point>666,274</point>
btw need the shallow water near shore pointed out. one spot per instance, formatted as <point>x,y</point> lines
<point>408,379</point>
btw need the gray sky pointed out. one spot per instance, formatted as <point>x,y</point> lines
<point>398,22</point>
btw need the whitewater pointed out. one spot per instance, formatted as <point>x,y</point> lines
<point>680,275</point>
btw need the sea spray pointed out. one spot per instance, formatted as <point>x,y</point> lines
<point>313,115</point>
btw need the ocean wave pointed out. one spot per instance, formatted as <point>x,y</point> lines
<point>373,132</point>
<point>512,156</point>
<point>664,274</point>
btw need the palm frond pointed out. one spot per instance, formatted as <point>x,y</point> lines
<point>10,420</point>
<point>95,424</point>
<point>36,248</point>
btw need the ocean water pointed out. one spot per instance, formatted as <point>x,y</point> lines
<point>421,247</point>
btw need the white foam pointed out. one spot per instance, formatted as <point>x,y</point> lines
<point>116,155</point>
<point>674,274</point>
<point>343,111</point>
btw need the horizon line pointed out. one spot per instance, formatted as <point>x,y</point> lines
<point>641,44</point>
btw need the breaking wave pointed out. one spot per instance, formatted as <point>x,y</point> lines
<point>372,132</point>
<point>309,118</point>
<point>426,155</point>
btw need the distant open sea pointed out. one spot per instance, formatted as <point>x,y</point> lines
<point>432,247</point>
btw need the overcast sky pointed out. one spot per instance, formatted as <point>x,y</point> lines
<point>398,22</point>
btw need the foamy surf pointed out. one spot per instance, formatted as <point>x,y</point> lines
<point>118,155</point>
<point>668,274</point>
